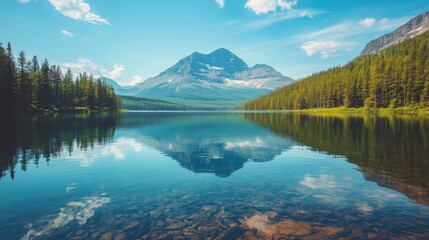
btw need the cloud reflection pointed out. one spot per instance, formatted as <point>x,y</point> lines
<point>74,211</point>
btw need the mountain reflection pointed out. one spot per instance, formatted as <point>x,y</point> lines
<point>216,143</point>
<point>392,151</point>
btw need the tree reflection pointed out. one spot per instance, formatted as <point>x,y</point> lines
<point>30,138</point>
<point>391,150</point>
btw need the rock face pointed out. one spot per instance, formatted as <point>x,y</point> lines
<point>216,78</point>
<point>414,27</point>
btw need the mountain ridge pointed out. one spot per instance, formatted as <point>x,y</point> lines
<point>414,27</point>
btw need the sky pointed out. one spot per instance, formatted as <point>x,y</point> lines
<point>132,40</point>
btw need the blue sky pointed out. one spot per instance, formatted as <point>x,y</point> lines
<point>132,40</point>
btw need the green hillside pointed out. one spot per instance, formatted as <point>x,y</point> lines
<point>394,78</point>
<point>136,103</point>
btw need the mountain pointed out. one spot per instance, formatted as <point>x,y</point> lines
<point>414,27</point>
<point>211,79</point>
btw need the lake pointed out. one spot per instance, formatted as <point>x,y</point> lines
<point>216,175</point>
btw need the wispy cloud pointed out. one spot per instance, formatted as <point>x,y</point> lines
<point>348,29</point>
<point>221,3</point>
<point>71,187</point>
<point>335,31</point>
<point>67,33</point>
<point>326,48</point>
<point>279,17</point>
<point>265,6</point>
<point>23,1</point>
<point>79,10</point>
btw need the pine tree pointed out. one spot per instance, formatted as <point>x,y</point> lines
<point>44,97</point>
<point>24,85</point>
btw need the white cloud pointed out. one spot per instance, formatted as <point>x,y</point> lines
<point>77,9</point>
<point>83,65</point>
<point>86,65</point>
<point>23,1</point>
<point>67,33</point>
<point>322,181</point>
<point>78,212</point>
<point>116,149</point>
<point>221,3</point>
<point>136,79</point>
<point>265,6</point>
<point>367,22</point>
<point>326,48</point>
<point>117,71</point>
<point>364,207</point>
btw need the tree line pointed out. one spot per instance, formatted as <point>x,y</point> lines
<point>26,86</point>
<point>393,78</point>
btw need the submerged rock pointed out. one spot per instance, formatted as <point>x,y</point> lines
<point>106,236</point>
<point>265,226</point>
<point>131,225</point>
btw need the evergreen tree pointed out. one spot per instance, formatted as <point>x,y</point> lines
<point>24,85</point>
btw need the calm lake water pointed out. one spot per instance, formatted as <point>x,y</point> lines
<point>142,175</point>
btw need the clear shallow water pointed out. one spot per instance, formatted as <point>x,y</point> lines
<point>214,175</point>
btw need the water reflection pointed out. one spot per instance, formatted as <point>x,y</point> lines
<point>207,143</point>
<point>26,139</point>
<point>392,151</point>
<point>259,176</point>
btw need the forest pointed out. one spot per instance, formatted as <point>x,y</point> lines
<point>397,77</point>
<point>26,86</point>
<point>136,103</point>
